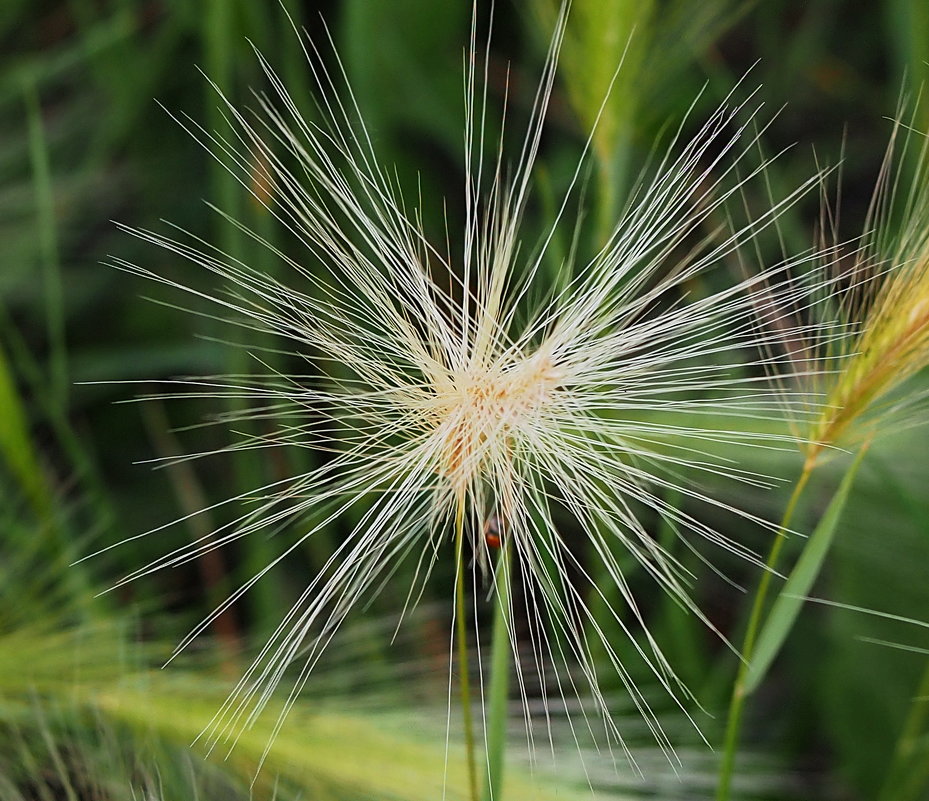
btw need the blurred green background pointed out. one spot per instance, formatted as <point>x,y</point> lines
<point>83,712</point>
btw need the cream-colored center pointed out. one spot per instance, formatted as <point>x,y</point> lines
<point>479,412</point>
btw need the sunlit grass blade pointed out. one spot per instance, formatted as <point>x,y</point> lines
<point>16,443</point>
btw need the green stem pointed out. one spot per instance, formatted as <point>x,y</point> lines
<point>499,679</point>
<point>905,775</point>
<point>47,241</point>
<point>737,701</point>
<point>461,634</point>
<point>222,28</point>
<point>606,200</point>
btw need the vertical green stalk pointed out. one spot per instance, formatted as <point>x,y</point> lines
<point>294,69</point>
<point>211,563</point>
<point>217,32</point>
<point>461,635</point>
<point>15,440</point>
<point>612,175</point>
<point>607,197</point>
<point>908,28</point>
<point>222,33</point>
<point>48,247</point>
<point>907,777</point>
<point>683,630</point>
<point>499,678</point>
<point>737,701</point>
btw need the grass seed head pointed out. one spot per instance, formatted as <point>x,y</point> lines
<point>437,387</point>
<point>892,344</point>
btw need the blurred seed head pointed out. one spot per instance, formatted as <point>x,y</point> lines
<point>884,295</point>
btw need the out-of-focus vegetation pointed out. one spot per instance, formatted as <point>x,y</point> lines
<point>84,711</point>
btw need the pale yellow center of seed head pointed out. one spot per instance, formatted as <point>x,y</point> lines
<point>480,409</point>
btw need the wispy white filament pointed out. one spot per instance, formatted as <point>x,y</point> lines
<point>443,385</point>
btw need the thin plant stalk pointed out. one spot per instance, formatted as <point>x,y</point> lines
<point>902,783</point>
<point>737,701</point>
<point>220,30</point>
<point>461,635</point>
<point>48,246</point>
<point>191,497</point>
<point>499,678</point>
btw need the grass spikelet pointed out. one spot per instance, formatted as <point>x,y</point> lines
<point>874,336</point>
<point>891,278</point>
<point>444,396</point>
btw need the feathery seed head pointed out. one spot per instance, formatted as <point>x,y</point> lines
<point>435,400</point>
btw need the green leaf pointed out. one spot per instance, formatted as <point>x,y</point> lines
<point>16,448</point>
<point>784,612</point>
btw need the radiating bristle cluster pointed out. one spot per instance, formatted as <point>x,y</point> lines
<point>436,402</point>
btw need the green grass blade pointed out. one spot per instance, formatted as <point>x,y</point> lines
<point>908,31</point>
<point>16,444</point>
<point>601,35</point>
<point>788,604</point>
